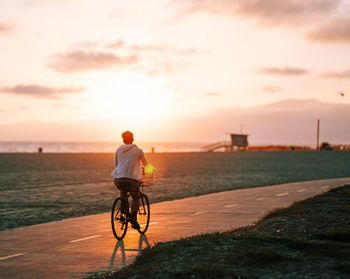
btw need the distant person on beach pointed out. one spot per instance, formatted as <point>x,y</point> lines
<point>127,173</point>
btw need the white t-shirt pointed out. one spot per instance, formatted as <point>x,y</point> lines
<point>127,162</point>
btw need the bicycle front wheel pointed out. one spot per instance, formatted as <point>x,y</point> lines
<point>118,219</point>
<point>143,214</point>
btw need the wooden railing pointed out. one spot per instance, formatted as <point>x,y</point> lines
<point>217,145</point>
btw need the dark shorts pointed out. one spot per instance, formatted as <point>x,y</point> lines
<point>127,184</point>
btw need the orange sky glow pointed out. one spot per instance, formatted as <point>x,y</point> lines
<point>189,70</point>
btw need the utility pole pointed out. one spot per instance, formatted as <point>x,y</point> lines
<point>318,135</point>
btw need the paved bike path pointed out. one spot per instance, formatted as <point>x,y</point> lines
<point>73,247</point>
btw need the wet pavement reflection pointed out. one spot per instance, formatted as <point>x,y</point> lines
<point>120,252</point>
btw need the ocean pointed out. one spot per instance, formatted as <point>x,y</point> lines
<point>93,147</point>
<point>37,188</point>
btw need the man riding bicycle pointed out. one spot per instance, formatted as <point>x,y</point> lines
<point>127,173</point>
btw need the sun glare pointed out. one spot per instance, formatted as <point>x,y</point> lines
<point>129,99</point>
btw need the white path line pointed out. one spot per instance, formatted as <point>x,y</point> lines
<point>199,212</point>
<point>282,194</point>
<point>301,190</point>
<point>151,223</point>
<point>232,205</point>
<point>85,238</point>
<point>260,199</point>
<point>12,256</point>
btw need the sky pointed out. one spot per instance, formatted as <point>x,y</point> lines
<point>86,70</point>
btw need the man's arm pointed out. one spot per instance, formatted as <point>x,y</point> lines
<point>115,159</point>
<point>143,159</point>
<point>148,168</point>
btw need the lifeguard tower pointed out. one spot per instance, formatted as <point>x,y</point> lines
<point>239,142</point>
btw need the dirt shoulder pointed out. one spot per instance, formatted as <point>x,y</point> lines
<point>310,239</point>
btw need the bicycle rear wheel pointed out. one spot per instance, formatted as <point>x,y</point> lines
<point>143,214</point>
<point>118,220</point>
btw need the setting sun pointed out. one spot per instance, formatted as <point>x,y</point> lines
<point>129,98</point>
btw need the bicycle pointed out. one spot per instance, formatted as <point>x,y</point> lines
<point>121,221</point>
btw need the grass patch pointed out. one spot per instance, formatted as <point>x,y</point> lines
<point>310,239</point>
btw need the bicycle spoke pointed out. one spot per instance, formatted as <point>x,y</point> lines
<point>119,220</point>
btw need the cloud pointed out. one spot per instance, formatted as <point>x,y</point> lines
<point>34,90</point>
<point>152,48</point>
<point>153,59</point>
<point>286,71</point>
<point>158,59</point>
<point>272,89</point>
<point>79,61</point>
<point>320,20</point>
<point>338,74</point>
<point>337,30</point>
<point>6,27</point>
<point>288,12</point>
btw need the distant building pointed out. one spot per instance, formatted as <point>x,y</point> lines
<point>326,146</point>
<point>239,141</point>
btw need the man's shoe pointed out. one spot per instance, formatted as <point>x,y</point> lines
<point>134,224</point>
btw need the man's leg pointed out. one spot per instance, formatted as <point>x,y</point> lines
<point>123,193</point>
<point>135,202</point>
<point>135,194</point>
<point>124,197</point>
